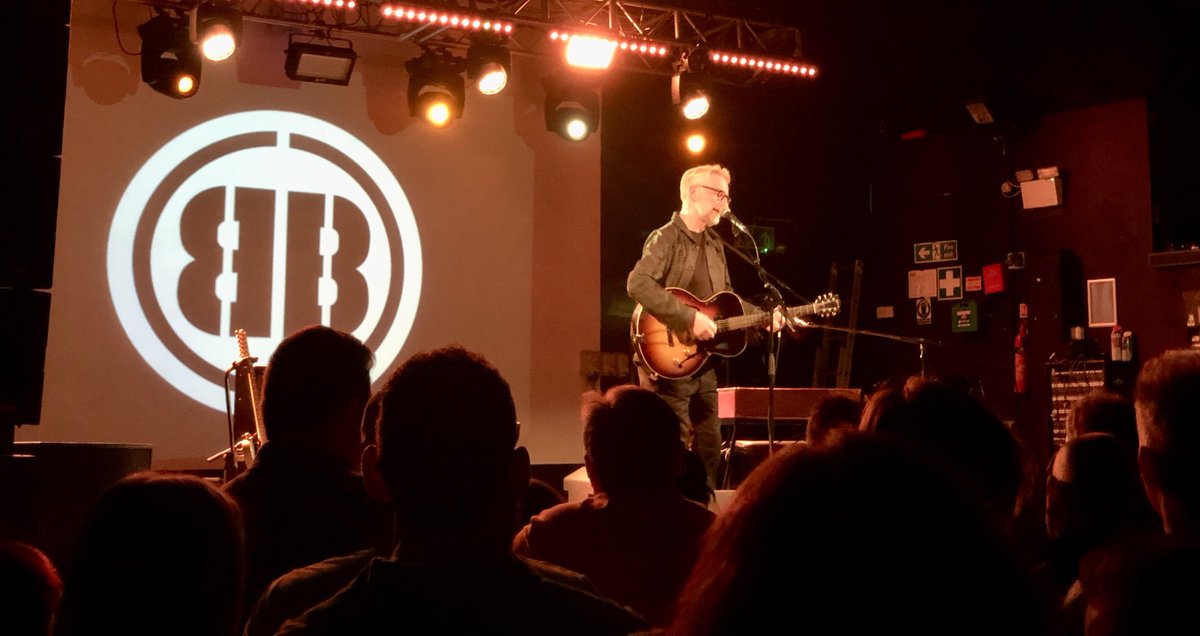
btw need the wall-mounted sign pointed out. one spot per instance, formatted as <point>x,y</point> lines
<point>993,279</point>
<point>964,317</point>
<point>924,312</point>
<point>949,283</point>
<point>935,252</point>
<point>922,283</point>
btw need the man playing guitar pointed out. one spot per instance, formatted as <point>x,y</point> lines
<point>686,253</point>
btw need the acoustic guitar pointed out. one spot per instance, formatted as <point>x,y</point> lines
<point>678,354</point>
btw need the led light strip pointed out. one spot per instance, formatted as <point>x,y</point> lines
<point>632,46</point>
<point>329,4</point>
<point>786,67</point>
<point>445,18</point>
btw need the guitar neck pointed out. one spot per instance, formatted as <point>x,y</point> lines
<point>247,367</point>
<point>759,318</point>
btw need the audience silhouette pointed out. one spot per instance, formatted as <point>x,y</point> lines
<point>32,590</point>
<point>1094,498</point>
<point>1167,399</point>
<point>159,554</point>
<point>299,590</point>
<point>952,429</point>
<point>1103,412</point>
<point>302,501</point>
<point>447,457</point>
<point>638,537</point>
<point>831,414</point>
<point>858,537</point>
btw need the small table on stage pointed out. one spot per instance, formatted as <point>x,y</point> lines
<point>743,413</point>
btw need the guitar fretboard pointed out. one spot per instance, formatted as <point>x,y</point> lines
<point>759,318</point>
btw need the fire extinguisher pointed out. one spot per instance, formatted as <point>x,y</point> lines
<point>1019,358</point>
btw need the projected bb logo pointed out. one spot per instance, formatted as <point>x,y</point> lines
<point>265,221</point>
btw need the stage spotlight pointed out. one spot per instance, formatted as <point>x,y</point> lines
<point>587,51</point>
<point>217,27</point>
<point>170,61</point>
<point>691,93</point>
<point>572,111</point>
<point>321,63</point>
<point>489,65</point>
<point>696,143</point>
<point>436,91</point>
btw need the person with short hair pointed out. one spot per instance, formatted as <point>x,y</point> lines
<point>1167,401</point>
<point>687,253</point>
<point>1103,412</point>
<point>303,500</point>
<point>637,538</point>
<point>446,455</point>
<point>158,554</point>
<point>830,415</point>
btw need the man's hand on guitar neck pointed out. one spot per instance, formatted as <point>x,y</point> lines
<point>703,327</point>
<point>777,320</point>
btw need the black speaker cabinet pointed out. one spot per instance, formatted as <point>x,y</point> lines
<point>47,489</point>
<point>1056,294</point>
<point>24,320</point>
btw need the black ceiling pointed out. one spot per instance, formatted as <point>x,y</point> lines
<point>913,63</point>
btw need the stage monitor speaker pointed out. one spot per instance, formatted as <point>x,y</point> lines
<point>61,482</point>
<point>1055,294</point>
<point>747,455</point>
<point>24,322</point>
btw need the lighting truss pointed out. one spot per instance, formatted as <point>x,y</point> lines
<point>651,35</point>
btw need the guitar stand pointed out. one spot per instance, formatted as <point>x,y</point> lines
<point>730,451</point>
<point>242,451</point>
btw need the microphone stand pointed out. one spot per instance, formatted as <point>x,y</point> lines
<point>778,304</point>
<point>919,341</point>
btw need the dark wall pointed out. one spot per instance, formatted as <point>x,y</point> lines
<point>1107,217</point>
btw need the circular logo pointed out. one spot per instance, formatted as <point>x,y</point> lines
<point>265,221</point>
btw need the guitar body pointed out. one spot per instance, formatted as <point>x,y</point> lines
<point>677,355</point>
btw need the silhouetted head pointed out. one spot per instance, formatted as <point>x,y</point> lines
<point>854,537</point>
<point>159,554</point>
<point>954,430</point>
<point>1094,493</point>
<point>540,496</point>
<point>315,388</point>
<point>832,413</point>
<point>1167,400</point>
<point>446,438</point>
<point>1103,412</point>
<point>879,403</point>
<point>631,441</point>
<point>32,589</point>
<point>1145,586</point>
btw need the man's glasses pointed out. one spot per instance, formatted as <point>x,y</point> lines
<point>721,194</point>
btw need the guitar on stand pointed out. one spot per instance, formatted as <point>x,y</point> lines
<point>243,449</point>
<point>677,354</point>
<point>250,442</point>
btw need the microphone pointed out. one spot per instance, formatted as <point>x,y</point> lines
<point>728,214</point>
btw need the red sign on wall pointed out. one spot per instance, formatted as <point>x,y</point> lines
<point>993,279</point>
